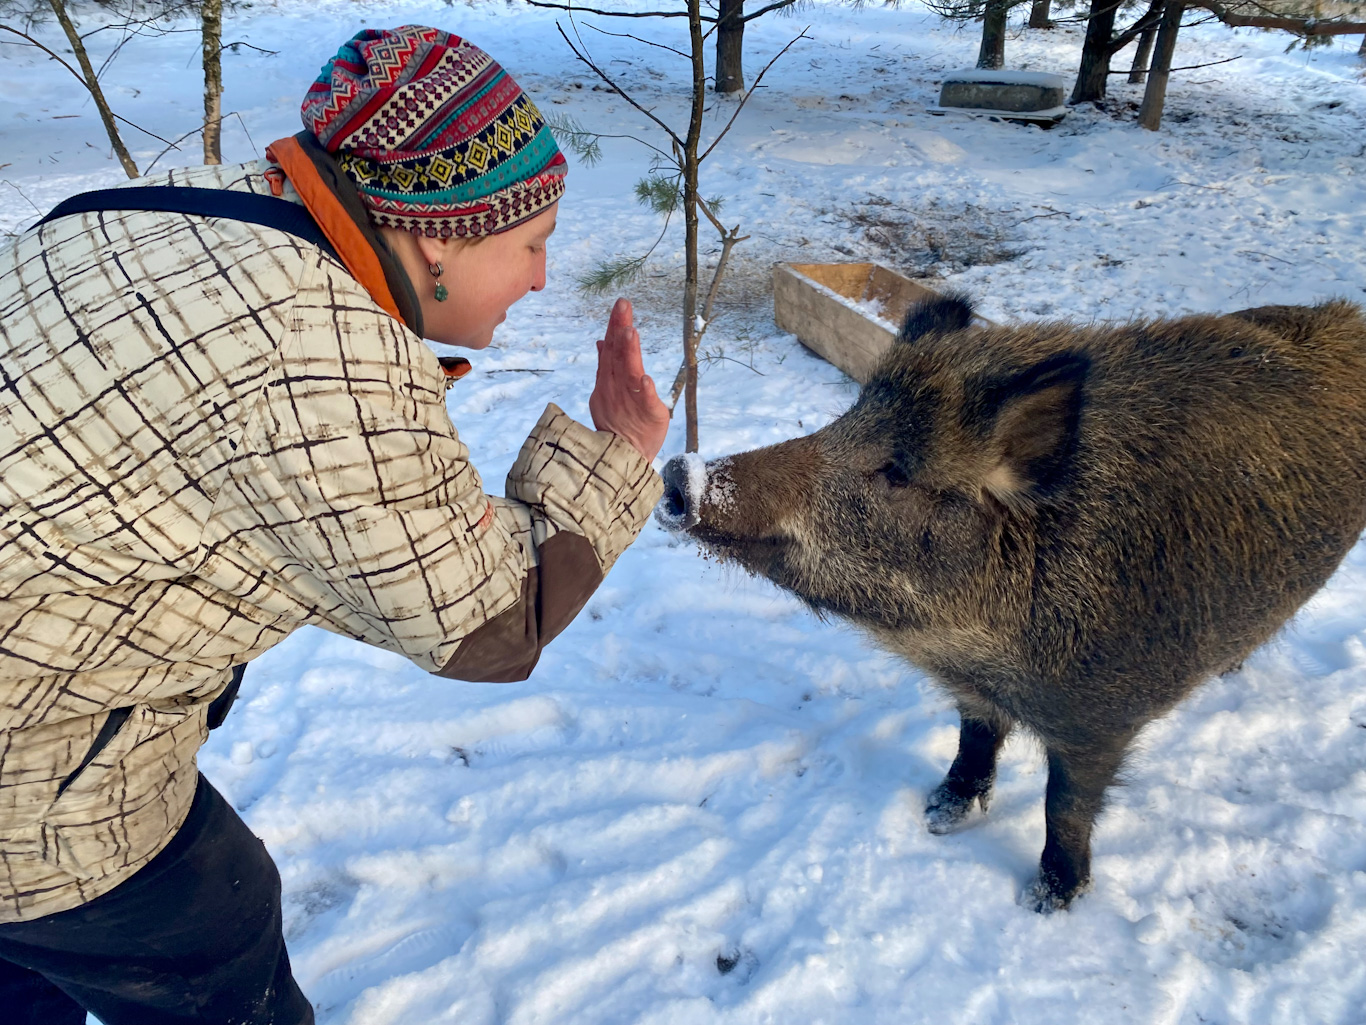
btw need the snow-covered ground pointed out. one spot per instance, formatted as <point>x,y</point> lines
<point>705,806</point>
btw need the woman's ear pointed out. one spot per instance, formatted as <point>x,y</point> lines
<point>433,250</point>
<point>407,245</point>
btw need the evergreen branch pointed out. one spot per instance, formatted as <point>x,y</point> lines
<point>583,143</point>
<point>611,273</point>
<point>615,272</point>
<point>660,194</point>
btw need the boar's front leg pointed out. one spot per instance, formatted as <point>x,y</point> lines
<point>972,774</point>
<point>1077,781</point>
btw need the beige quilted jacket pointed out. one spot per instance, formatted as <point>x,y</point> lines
<point>210,435</point>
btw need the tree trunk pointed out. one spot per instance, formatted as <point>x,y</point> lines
<point>1095,53</point>
<point>93,84</point>
<point>1155,95</point>
<point>690,162</point>
<point>992,54</point>
<point>213,81</point>
<point>1138,71</point>
<point>730,37</point>
<point>1038,14</point>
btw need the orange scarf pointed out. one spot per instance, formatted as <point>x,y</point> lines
<point>355,252</point>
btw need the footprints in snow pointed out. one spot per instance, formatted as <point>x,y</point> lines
<point>738,963</point>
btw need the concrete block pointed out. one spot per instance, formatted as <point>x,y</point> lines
<point>1003,91</point>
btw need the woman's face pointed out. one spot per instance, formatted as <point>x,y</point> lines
<point>483,278</point>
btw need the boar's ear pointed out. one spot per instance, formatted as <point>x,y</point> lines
<point>950,312</point>
<point>1031,419</point>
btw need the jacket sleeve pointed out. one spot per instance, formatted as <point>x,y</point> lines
<point>588,494</point>
<point>376,524</point>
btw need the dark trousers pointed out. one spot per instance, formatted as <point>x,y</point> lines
<point>194,936</point>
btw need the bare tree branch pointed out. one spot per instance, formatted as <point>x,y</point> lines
<point>17,189</point>
<point>1189,67</point>
<point>80,78</point>
<point>1123,39</point>
<point>572,8</point>
<point>647,42</point>
<point>616,88</point>
<point>774,7</point>
<point>51,53</point>
<point>1073,18</point>
<point>609,135</point>
<point>685,162</point>
<point>240,42</point>
<point>956,10</point>
<point>92,85</point>
<point>729,239</point>
<point>705,207</point>
<point>117,49</point>
<point>750,92</point>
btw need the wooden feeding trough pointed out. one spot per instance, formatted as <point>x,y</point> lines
<point>847,313</point>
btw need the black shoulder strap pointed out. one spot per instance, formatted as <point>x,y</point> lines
<point>236,206</point>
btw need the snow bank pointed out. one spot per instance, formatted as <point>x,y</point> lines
<point>705,806</point>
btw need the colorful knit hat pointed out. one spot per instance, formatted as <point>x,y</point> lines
<point>438,138</point>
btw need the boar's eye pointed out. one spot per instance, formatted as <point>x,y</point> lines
<point>893,474</point>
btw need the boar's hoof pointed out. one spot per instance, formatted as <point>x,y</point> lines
<point>1046,895</point>
<point>948,808</point>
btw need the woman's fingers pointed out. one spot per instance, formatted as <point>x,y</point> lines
<point>619,362</point>
<point>624,399</point>
<point>623,350</point>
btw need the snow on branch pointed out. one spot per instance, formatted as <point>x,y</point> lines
<point>1300,26</point>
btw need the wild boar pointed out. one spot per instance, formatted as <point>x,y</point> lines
<point>1069,527</point>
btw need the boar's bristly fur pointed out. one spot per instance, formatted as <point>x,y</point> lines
<point>1068,526</point>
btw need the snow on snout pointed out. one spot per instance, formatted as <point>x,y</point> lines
<point>720,486</point>
<point>685,480</point>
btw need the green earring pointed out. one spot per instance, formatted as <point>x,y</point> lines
<point>442,292</point>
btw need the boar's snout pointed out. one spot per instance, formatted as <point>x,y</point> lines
<point>685,478</point>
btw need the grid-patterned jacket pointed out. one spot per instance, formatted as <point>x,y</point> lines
<point>211,434</point>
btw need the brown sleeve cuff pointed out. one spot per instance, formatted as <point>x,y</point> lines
<point>507,647</point>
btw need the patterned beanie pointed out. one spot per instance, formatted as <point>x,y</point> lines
<point>437,137</point>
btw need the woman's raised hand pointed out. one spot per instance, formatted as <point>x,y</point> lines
<point>624,400</point>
